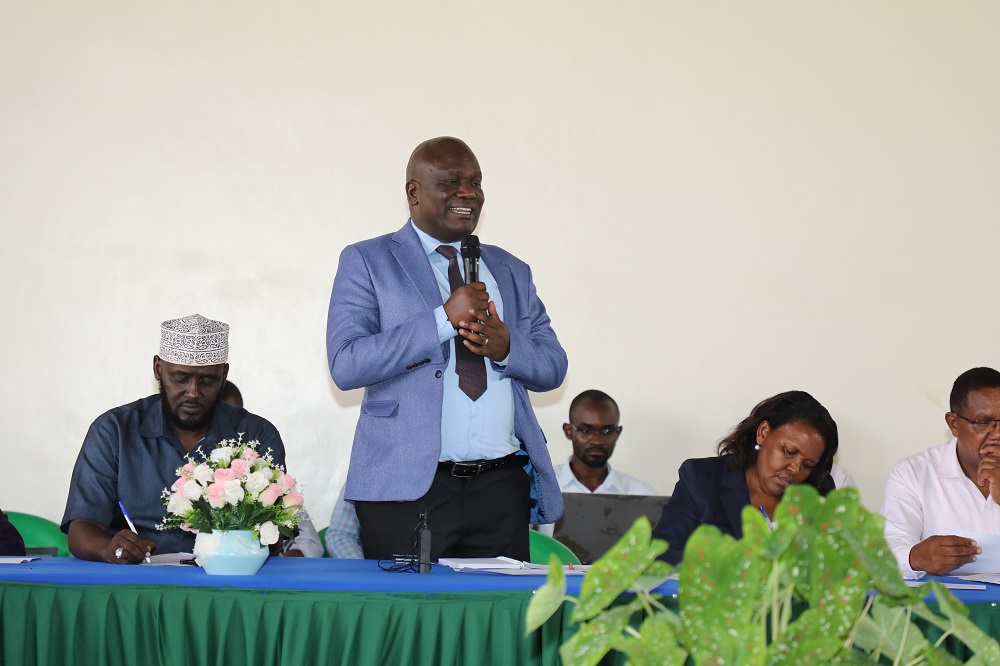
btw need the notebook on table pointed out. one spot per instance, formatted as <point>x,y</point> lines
<point>592,523</point>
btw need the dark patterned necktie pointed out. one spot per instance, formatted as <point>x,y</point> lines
<point>470,368</point>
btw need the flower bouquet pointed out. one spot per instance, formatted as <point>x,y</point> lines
<point>235,488</point>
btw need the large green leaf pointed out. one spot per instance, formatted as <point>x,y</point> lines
<point>807,642</point>
<point>655,575</point>
<point>887,630</point>
<point>721,586</point>
<point>656,644</point>
<point>617,570</point>
<point>957,615</point>
<point>548,598</point>
<point>596,637</point>
<point>873,553</point>
<point>940,657</point>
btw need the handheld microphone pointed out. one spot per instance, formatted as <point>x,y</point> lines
<point>470,254</point>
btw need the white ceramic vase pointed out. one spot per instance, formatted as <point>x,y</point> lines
<point>229,552</point>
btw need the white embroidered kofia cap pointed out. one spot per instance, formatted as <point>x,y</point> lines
<point>194,340</point>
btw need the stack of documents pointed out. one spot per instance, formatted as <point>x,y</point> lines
<point>507,566</point>
<point>16,559</point>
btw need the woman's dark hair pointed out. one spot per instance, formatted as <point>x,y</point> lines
<point>788,407</point>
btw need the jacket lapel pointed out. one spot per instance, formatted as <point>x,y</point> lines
<point>412,259</point>
<point>735,496</point>
<point>505,281</point>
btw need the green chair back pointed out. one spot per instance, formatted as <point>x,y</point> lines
<point>542,546</point>
<point>39,533</point>
<point>322,540</point>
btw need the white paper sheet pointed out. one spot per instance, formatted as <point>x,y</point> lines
<point>988,562</point>
<point>172,560</point>
<point>480,563</point>
<point>541,570</point>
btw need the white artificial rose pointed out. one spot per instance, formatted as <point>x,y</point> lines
<point>178,505</point>
<point>269,533</point>
<point>257,481</point>
<point>203,474</point>
<point>192,490</point>
<point>232,492</point>
<point>222,455</point>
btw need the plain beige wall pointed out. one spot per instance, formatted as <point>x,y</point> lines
<point>720,201</point>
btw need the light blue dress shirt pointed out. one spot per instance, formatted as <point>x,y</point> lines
<point>484,429</point>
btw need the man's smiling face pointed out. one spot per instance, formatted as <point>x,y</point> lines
<point>445,190</point>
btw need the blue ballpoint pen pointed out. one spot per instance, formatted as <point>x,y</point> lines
<point>131,525</point>
<point>766,517</point>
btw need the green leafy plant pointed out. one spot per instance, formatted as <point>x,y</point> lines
<point>821,588</point>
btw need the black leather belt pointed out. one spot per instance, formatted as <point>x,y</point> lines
<point>470,468</point>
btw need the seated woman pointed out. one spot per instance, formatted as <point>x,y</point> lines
<point>790,438</point>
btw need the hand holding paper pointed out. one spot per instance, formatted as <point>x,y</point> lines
<point>940,554</point>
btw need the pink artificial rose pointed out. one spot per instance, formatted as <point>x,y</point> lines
<point>292,499</point>
<point>216,495</point>
<point>189,468</point>
<point>286,482</point>
<point>239,467</point>
<point>223,475</point>
<point>270,494</point>
<point>249,455</point>
<point>179,484</point>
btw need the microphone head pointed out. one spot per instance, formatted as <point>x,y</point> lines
<point>470,247</point>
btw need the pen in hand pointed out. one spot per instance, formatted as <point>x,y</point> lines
<point>770,525</point>
<point>131,525</point>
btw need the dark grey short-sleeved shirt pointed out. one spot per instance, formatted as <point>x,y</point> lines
<point>130,456</point>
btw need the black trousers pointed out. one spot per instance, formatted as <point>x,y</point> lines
<point>483,516</point>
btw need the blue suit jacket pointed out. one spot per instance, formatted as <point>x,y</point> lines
<point>381,335</point>
<point>707,492</point>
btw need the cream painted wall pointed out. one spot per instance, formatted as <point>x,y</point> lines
<point>720,201</point>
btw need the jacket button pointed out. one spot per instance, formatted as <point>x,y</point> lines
<point>438,374</point>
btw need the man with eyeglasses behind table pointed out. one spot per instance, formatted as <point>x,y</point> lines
<point>948,488</point>
<point>593,428</point>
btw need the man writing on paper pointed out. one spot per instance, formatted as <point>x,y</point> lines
<point>948,488</point>
<point>446,367</point>
<point>132,452</point>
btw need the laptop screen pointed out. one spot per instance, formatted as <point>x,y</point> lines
<point>592,523</point>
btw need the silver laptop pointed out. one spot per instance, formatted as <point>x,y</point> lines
<point>592,523</point>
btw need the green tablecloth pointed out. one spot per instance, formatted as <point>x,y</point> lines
<point>136,624</point>
<point>296,611</point>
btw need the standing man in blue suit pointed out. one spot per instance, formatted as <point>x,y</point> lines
<point>478,456</point>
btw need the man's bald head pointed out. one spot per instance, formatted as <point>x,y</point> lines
<point>432,150</point>
<point>444,188</point>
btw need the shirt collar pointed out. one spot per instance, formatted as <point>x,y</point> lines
<point>948,467</point>
<point>567,476</point>
<point>152,419</point>
<point>431,244</point>
<point>221,427</point>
